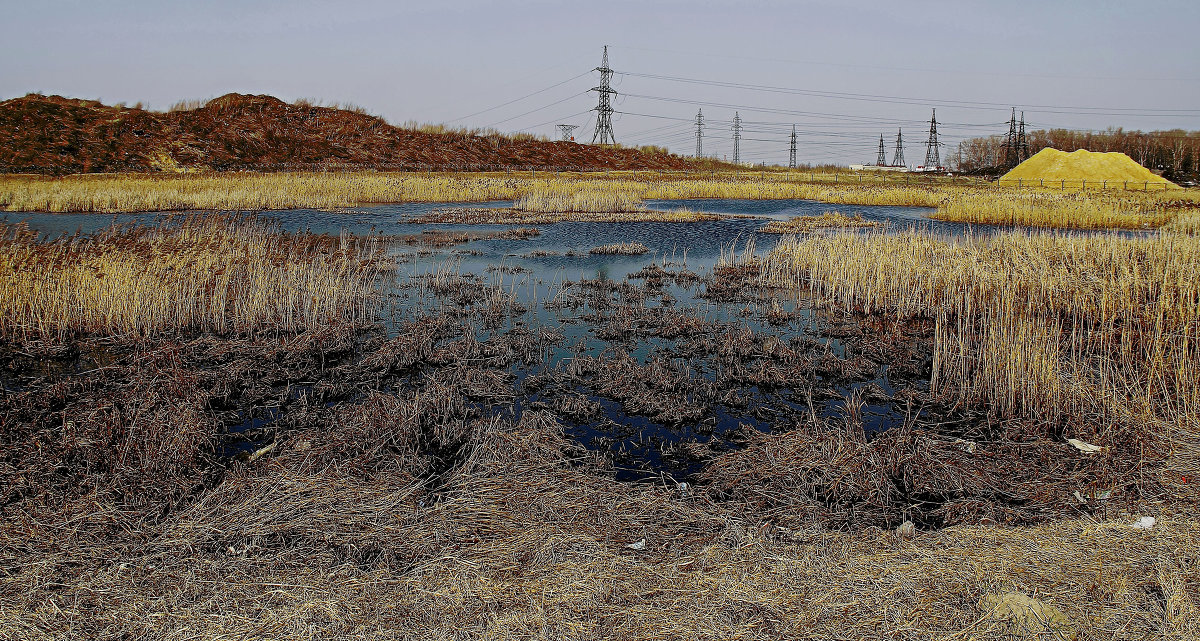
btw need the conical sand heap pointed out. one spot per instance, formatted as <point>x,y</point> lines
<point>1054,166</point>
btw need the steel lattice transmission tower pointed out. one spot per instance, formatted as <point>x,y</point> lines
<point>699,133</point>
<point>792,151</point>
<point>737,138</point>
<point>604,110</point>
<point>566,132</point>
<point>898,158</point>
<point>933,157</point>
<point>1012,146</point>
<point>881,161</point>
<point>1022,143</point>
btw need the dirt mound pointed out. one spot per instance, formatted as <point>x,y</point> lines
<point>52,134</point>
<point>1054,165</point>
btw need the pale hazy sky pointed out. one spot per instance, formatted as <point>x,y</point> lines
<point>1074,64</point>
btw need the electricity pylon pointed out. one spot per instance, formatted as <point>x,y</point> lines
<point>737,138</point>
<point>933,157</point>
<point>604,110</point>
<point>792,151</point>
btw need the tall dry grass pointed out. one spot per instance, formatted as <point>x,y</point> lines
<point>1093,332</point>
<point>174,192</point>
<point>1077,210</point>
<point>221,274</point>
<point>584,199</point>
<point>590,193</point>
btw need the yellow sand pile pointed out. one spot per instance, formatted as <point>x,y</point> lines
<point>1052,165</point>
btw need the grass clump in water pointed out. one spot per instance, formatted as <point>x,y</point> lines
<point>621,249</point>
<point>806,224</point>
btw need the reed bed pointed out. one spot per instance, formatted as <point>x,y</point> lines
<point>807,224</point>
<point>549,192</point>
<point>513,216</point>
<point>581,195</point>
<point>1188,222</point>
<point>584,199</point>
<point>1038,208</point>
<point>221,274</point>
<point>584,195</point>
<point>1101,333</point>
<point>620,249</point>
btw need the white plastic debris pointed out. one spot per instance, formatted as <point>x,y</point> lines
<point>1144,523</point>
<point>639,545</point>
<point>1086,448</point>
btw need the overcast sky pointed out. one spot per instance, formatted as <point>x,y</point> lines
<point>842,72</point>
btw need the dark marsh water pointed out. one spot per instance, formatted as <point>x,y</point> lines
<point>655,358</point>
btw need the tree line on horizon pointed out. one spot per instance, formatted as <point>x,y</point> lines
<point>1174,153</point>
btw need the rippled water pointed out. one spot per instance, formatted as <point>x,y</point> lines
<point>702,240</point>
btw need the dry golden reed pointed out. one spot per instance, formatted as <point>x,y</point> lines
<point>1041,208</point>
<point>590,193</point>
<point>827,220</point>
<point>1045,325</point>
<point>584,199</point>
<point>248,191</point>
<point>221,274</point>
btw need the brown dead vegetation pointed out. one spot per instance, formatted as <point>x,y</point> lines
<point>347,482</point>
<point>56,135</point>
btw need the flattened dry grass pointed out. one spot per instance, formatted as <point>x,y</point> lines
<point>220,274</point>
<point>332,536</point>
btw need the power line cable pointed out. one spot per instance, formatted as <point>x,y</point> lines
<point>965,104</point>
<point>558,84</point>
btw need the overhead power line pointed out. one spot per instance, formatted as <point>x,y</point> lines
<point>515,100</point>
<point>964,104</point>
